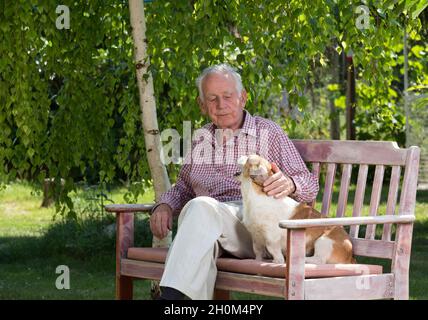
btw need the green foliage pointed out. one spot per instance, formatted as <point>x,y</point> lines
<point>69,104</point>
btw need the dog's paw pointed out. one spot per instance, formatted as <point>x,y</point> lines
<point>314,260</point>
<point>259,258</point>
<point>279,260</point>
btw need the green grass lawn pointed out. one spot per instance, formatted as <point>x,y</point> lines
<point>32,245</point>
<point>28,264</point>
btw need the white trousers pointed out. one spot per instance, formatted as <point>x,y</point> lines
<point>206,227</point>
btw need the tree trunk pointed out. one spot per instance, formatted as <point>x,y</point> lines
<point>152,140</point>
<point>48,191</point>
<point>350,97</point>
<point>406,86</point>
<point>334,114</point>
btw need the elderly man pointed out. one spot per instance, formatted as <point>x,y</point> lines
<point>207,197</point>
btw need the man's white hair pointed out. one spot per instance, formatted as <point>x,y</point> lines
<point>220,69</point>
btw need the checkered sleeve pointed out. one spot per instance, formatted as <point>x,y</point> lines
<point>180,193</point>
<point>291,163</point>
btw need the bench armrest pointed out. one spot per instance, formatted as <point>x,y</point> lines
<point>129,208</point>
<point>331,222</point>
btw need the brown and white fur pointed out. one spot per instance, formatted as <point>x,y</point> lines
<point>262,213</point>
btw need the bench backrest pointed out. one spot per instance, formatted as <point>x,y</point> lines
<point>332,154</point>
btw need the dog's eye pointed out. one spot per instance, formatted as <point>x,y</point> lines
<point>237,174</point>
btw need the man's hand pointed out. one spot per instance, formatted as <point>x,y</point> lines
<point>161,221</point>
<point>278,185</point>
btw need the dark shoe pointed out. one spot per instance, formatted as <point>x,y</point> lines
<point>171,294</point>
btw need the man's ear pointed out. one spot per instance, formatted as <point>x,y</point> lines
<point>201,106</point>
<point>243,99</point>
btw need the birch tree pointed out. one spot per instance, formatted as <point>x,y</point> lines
<point>152,140</point>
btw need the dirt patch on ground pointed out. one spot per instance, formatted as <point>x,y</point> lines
<point>12,209</point>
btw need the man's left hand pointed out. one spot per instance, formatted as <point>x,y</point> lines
<point>278,185</point>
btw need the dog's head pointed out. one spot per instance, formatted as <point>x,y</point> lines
<point>254,167</point>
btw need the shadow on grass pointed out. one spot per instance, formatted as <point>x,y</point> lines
<point>28,263</point>
<point>79,240</point>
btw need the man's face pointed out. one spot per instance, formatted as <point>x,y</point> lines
<point>223,104</point>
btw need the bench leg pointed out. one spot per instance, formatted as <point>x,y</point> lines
<point>295,269</point>
<point>124,288</point>
<point>220,294</point>
<point>124,240</point>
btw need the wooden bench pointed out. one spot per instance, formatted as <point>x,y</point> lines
<point>388,235</point>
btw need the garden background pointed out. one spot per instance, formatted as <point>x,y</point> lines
<point>70,111</point>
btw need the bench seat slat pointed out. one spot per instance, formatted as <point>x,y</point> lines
<point>253,267</point>
<point>225,280</point>
<point>275,287</point>
<point>351,288</point>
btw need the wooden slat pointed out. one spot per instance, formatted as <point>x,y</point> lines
<point>408,191</point>
<point>266,269</point>
<point>345,221</point>
<point>355,152</point>
<point>274,287</point>
<point>373,248</point>
<point>344,189</point>
<point>375,199</point>
<point>328,189</point>
<point>295,269</point>
<point>119,208</point>
<point>225,280</point>
<point>316,169</point>
<point>392,199</point>
<point>142,269</point>
<point>351,288</point>
<point>359,198</point>
<point>220,294</point>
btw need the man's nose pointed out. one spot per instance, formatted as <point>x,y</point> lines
<point>221,103</point>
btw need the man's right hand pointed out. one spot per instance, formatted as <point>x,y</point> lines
<point>161,221</point>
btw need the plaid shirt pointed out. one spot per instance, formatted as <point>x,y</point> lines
<point>209,168</point>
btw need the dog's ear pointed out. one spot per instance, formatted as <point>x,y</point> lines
<point>242,160</point>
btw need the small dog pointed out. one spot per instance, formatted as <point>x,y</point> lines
<point>262,213</point>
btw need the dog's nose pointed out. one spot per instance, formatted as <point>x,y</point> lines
<point>237,174</point>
